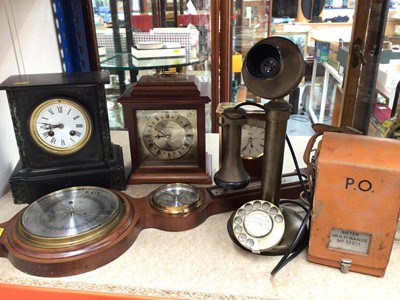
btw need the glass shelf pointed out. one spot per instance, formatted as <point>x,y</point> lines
<point>126,61</point>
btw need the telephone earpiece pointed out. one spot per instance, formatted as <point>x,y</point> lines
<point>232,175</point>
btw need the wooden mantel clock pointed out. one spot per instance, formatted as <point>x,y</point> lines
<point>165,117</point>
<point>62,132</point>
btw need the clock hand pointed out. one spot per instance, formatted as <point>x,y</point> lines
<point>245,147</point>
<point>251,142</point>
<point>83,215</point>
<point>180,195</point>
<point>66,207</point>
<point>56,126</point>
<point>46,125</point>
<point>159,130</point>
<point>177,200</point>
<point>162,132</point>
<point>51,126</point>
<point>69,213</point>
<point>160,136</point>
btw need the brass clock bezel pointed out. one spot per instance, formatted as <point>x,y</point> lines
<point>174,210</point>
<point>53,149</point>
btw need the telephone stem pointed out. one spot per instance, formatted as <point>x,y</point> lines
<point>277,113</point>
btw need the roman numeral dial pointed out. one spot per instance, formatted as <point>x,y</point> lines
<point>60,126</point>
<point>168,134</point>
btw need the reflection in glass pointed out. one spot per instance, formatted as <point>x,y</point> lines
<point>118,21</point>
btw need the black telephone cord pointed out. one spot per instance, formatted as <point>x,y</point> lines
<point>294,249</point>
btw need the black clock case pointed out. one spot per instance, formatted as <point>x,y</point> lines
<point>98,163</point>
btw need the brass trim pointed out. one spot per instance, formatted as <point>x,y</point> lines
<point>176,210</point>
<point>252,157</point>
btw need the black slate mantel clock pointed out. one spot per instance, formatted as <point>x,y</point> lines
<point>62,131</point>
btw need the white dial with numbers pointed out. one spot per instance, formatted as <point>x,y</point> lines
<point>252,143</point>
<point>60,126</point>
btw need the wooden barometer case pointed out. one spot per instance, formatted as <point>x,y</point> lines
<point>62,132</point>
<point>165,116</point>
<point>79,229</point>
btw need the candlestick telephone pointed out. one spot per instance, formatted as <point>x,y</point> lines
<point>272,69</point>
<point>354,179</point>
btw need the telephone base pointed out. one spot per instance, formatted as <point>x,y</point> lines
<point>293,221</point>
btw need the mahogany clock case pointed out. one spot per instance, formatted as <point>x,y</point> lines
<point>138,215</point>
<point>177,96</point>
<point>39,171</point>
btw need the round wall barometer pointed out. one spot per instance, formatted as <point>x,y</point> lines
<point>70,231</point>
<point>70,217</point>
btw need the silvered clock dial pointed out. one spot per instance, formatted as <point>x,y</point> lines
<point>70,217</point>
<point>60,126</point>
<point>167,134</point>
<point>176,198</point>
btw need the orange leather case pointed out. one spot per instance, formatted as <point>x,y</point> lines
<point>356,203</point>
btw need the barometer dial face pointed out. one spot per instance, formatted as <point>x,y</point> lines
<point>70,216</point>
<point>176,198</point>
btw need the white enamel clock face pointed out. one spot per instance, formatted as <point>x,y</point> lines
<point>252,143</point>
<point>167,134</point>
<point>60,126</point>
